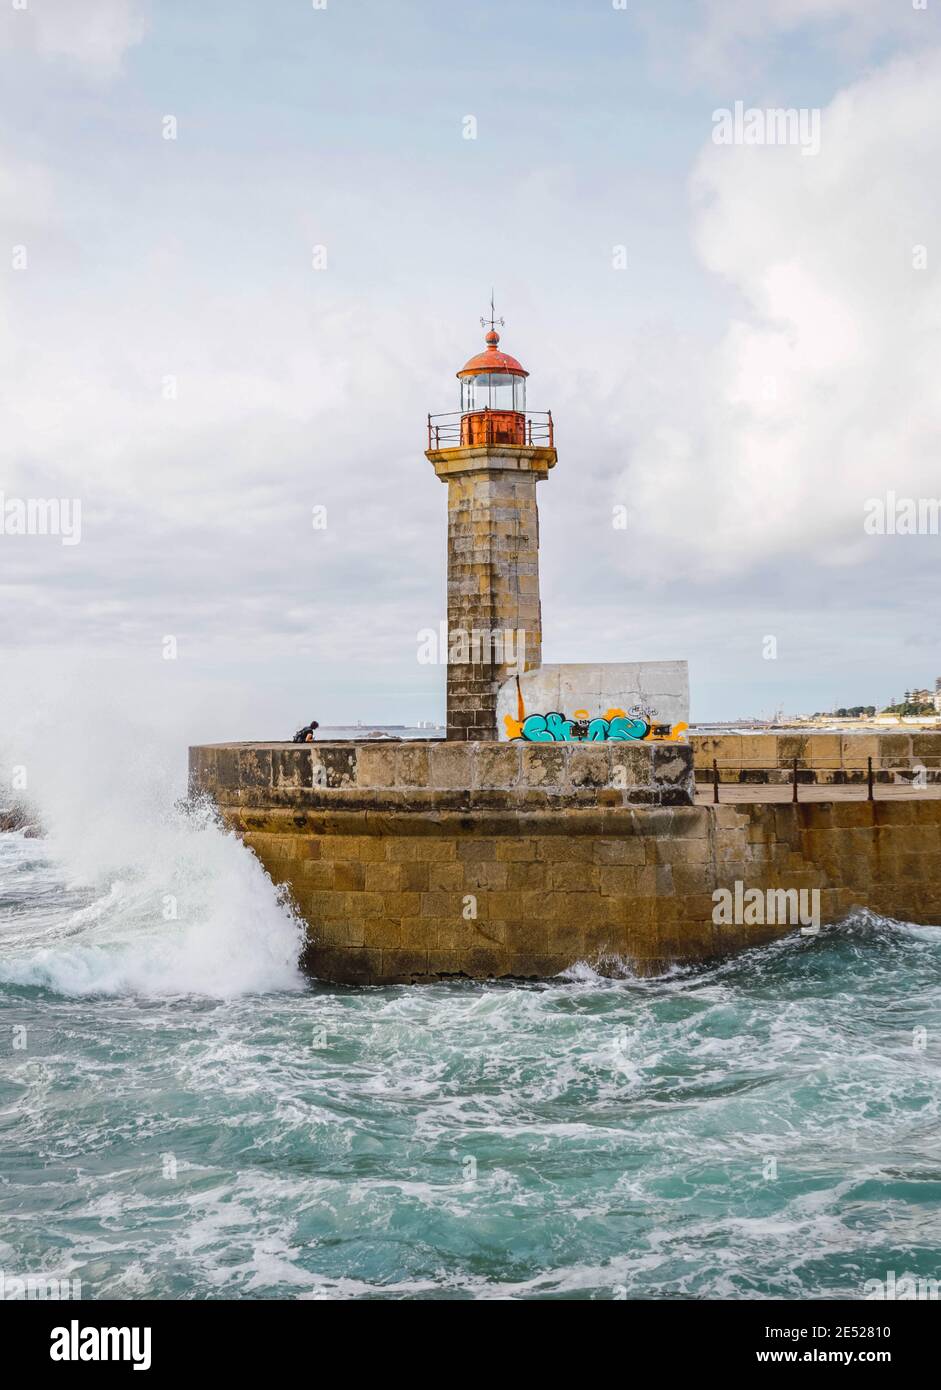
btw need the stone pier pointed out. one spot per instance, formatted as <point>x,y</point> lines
<point>414,862</point>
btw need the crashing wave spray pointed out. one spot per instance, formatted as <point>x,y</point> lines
<point>153,897</point>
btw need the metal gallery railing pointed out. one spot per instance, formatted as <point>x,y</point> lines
<point>456,429</point>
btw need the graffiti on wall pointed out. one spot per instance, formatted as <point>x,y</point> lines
<point>638,723</point>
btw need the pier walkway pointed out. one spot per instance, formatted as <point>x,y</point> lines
<point>749,793</point>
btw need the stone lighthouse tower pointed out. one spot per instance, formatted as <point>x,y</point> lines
<point>491,454</point>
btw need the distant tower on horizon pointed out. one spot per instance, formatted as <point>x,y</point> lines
<point>490,454</point>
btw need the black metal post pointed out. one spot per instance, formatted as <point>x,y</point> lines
<point>870,781</point>
<point>715,782</point>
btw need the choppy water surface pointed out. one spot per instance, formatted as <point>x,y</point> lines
<point>190,1118</point>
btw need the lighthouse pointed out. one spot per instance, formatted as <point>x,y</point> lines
<point>490,454</point>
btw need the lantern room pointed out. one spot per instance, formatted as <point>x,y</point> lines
<point>493,380</point>
<point>493,404</point>
<point>493,396</point>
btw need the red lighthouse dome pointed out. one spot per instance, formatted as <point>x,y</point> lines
<point>492,360</point>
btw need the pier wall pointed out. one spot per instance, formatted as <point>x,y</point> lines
<point>409,881</point>
<point>829,759</point>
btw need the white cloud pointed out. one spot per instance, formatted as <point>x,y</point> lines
<point>94,35</point>
<point>801,383</point>
<point>727,20</point>
<point>823,393</point>
<point>740,39</point>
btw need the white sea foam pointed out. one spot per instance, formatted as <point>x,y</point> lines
<point>295,1157</point>
<point>159,900</point>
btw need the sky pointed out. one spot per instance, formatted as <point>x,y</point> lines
<point>246,246</point>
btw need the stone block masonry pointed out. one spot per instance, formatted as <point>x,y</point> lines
<point>493,575</point>
<point>441,776</point>
<point>416,862</point>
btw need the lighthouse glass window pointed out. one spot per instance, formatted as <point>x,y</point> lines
<point>493,391</point>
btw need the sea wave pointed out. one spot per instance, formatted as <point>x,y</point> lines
<point>764,1126</point>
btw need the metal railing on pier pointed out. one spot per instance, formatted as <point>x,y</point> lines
<point>798,776</point>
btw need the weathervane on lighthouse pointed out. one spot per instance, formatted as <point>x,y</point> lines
<point>492,321</point>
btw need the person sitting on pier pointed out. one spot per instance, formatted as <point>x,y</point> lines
<point>306,735</point>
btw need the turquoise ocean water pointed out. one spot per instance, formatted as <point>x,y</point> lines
<point>182,1115</point>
